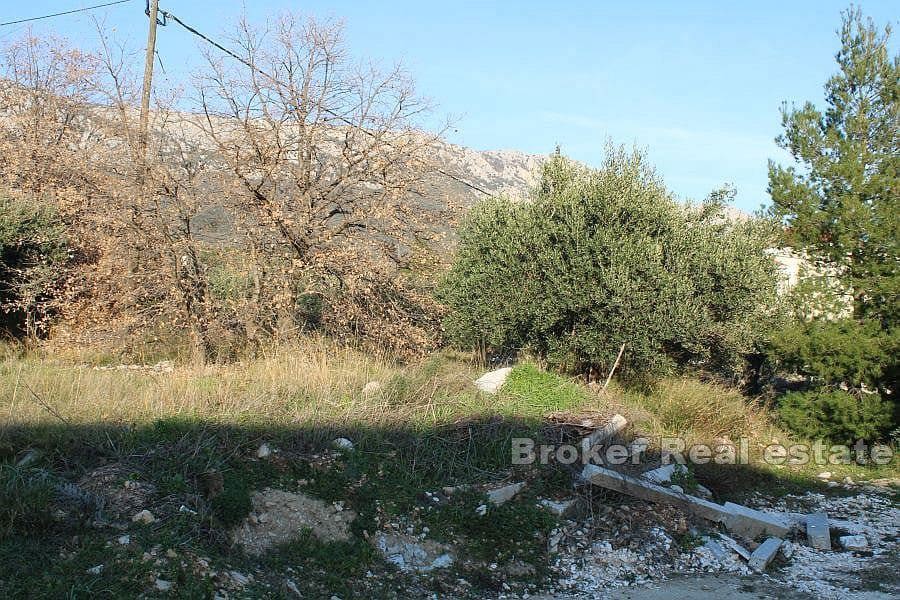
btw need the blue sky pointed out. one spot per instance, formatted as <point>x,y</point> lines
<point>696,84</point>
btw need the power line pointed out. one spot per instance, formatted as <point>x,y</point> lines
<point>68,12</point>
<point>167,15</point>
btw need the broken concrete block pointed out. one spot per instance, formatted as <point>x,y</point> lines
<point>817,531</point>
<point>492,381</point>
<point>646,490</point>
<point>763,555</point>
<point>752,523</point>
<point>734,545</point>
<point>616,424</point>
<point>714,548</point>
<point>662,474</point>
<point>853,542</point>
<point>558,507</point>
<point>736,518</point>
<point>504,494</point>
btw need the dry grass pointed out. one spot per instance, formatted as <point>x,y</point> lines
<point>322,384</point>
<point>698,411</point>
<point>316,381</point>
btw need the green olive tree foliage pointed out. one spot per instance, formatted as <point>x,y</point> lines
<point>600,258</point>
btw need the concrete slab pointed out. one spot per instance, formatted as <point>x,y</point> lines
<point>646,490</point>
<point>817,532</point>
<point>753,523</point>
<point>764,554</point>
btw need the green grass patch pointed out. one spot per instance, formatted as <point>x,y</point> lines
<point>532,392</point>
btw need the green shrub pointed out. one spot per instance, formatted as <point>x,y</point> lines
<point>32,251</point>
<point>598,258</point>
<point>832,352</point>
<point>836,415</point>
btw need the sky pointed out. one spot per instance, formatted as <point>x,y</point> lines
<point>697,85</point>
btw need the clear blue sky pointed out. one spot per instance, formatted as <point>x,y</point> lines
<point>697,84</point>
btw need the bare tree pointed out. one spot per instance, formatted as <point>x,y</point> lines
<point>324,152</point>
<point>158,195</point>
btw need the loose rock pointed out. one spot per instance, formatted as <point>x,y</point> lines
<point>493,381</point>
<point>144,517</point>
<point>853,542</point>
<point>342,444</point>
<point>504,494</point>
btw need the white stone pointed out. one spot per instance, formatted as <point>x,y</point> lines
<point>492,381</point>
<point>342,444</point>
<point>824,475</point>
<point>787,549</point>
<point>559,508</point>
<point>162,585</point>
<point>441,562</point>
<point>481,510</point>
<point>124,540</point>
<point>714,548</point>
<point>505,493</point>
<point>615,424</point>
<point>239,578</point>
<point>264,451</point>
<point>853,542</point>
<point>95,570</point>
<point>145,516</point>
<point>677,488</point>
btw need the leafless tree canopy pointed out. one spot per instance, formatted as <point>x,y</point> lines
<point>308,154</point>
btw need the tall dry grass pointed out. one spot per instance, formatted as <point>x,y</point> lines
<point>320,383</point>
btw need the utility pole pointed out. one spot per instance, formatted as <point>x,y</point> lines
<point>152,11</point>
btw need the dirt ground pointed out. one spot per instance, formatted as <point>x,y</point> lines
<point>733,587</point>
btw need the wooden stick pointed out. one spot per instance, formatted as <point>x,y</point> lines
<point>615,365</point>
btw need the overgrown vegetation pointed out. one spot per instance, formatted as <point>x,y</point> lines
<point>33,254</point>
<point>603,257</point>
<point>303,175</point>
<point>423,429</point>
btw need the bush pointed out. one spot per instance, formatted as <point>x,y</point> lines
<point>836,415</point>
<point>832,352</point>
<point>598,258</point>
<point>32,250</point>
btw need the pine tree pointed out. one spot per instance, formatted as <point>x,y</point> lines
<point>843,202</point>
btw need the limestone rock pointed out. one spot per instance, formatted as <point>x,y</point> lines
<point>492,381</point>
